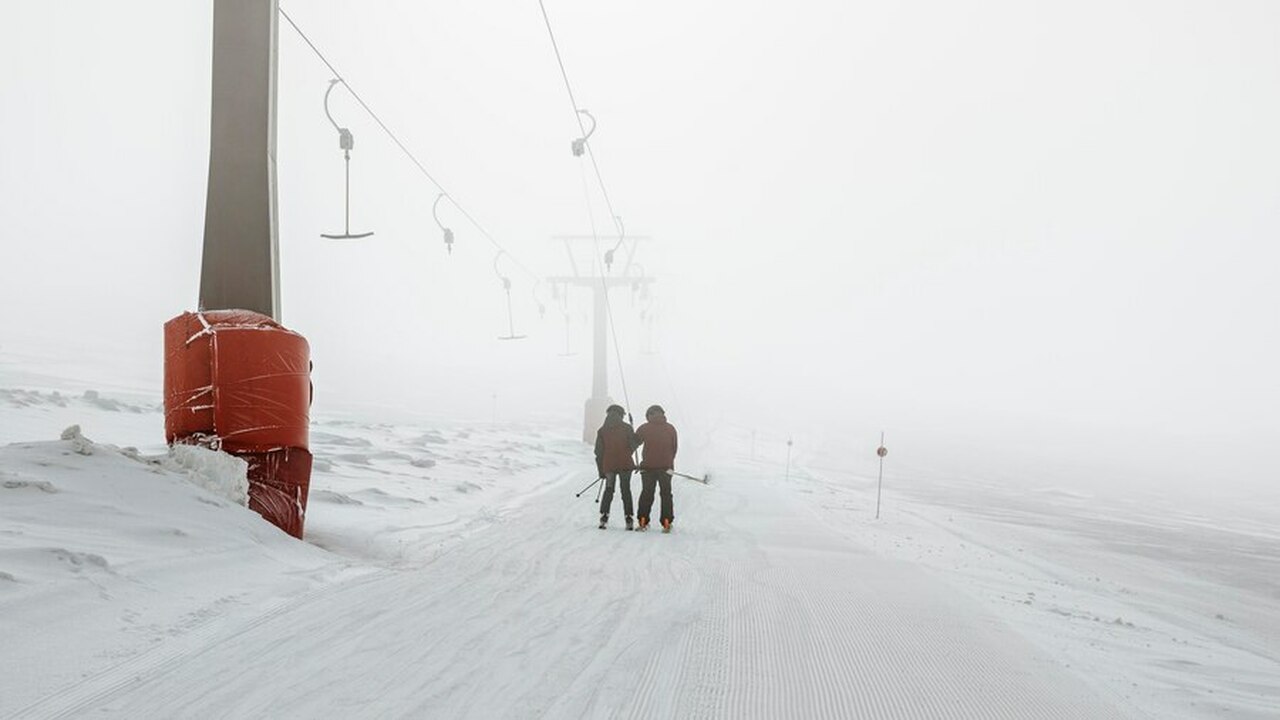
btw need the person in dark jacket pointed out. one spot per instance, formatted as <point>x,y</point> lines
<point>658,438</point>
<point>615,443</point>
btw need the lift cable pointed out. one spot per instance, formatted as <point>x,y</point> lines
<point>578,111</point>
<point>613,329</point>
<point>583,142</point>
<point>407,152</point>
<point>608,303</point>
<point>617,219</point>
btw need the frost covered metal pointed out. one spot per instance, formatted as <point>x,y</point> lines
<point>240,266</point>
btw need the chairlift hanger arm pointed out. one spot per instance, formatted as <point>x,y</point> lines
<point>346,141</point>
<point>435,210</point>
<point>542,308</point>
<point>622,236</point>
<point>327,93</point>
<point>579,145</point>
<point>448,233</point>
<point>497,257</point>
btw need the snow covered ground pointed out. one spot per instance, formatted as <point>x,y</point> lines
<point>449,572</point>
<point>1174,612</point>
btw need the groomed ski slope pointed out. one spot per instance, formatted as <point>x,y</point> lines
<point>757,606</point>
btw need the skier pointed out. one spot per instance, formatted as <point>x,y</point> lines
<point>658,460</point>
<point>615,442</point>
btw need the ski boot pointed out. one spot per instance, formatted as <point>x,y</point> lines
<point>604,520</point>
<point>643,523</point>
<point>630,524</point>
<point>666,525</point>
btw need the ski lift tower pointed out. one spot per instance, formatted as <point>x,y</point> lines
<point>599,284</point>
<point>240,267</point>
<point>236,340</point>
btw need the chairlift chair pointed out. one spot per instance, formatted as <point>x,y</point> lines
<point>568,349</point>
<point>346,142</point>
<point>542,308</point>
<point>647,316</point>
<point>646,341</point>
<point>622,236</point>
<point>563,297</point>
<point>579,145</point>
<point>448,233</point>
<point>506,287</point>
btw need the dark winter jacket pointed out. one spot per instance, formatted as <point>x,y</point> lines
<point>615,442</point>
<point>659,440</point>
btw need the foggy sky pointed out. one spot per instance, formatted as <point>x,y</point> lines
<point>1041,228</point>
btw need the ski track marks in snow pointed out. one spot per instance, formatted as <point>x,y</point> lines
<point>750,609</point>
<point>479,632</point>
<point>794,625</point>
<point>1169,622</point>
<point>78,699</point>
<point>505,601</point>
<point>107,557</point>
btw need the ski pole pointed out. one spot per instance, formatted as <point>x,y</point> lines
<point>705,479</point>
<point>593,484</point>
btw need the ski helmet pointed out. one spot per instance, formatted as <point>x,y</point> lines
<point>615,410</point>
<point>654,410</point>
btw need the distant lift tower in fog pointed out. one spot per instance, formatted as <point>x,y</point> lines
<point>593,413</point>
<point>240,268</point>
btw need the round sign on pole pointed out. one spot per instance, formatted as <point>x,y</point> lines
<point>882,451</point>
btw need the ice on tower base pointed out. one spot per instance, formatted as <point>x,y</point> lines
<point>238,381</point>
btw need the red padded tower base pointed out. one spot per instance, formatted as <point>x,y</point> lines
<point>240,382</point>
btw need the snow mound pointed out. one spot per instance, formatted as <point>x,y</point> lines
<point>334,497</point>
<point>220,473</point>
<point>79,443</point>
<point>224,475</point>
<point>34,485</point>
<point>105,554</point>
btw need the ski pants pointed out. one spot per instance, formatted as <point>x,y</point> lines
<point>622,477</point>
<point>650,479</point>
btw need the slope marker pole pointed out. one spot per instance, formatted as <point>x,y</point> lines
<point>881,451</point>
